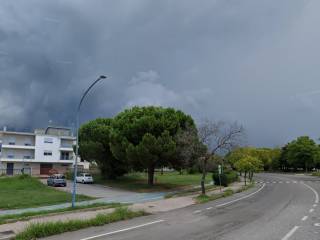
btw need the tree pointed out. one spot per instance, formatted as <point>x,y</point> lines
<point>302,153</point>
<point>146,137</point>
<point>94,146</point>
<point>248,165</point>
<point>218,137</point>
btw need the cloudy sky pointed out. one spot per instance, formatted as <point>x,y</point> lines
<point>255,62</point>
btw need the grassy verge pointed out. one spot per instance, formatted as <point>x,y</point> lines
<point>138,181</point>
<point>203,198</point>
<point>28,215</point>
<point>25,191</point>
<point>316,174</point>
<point>40,230</point>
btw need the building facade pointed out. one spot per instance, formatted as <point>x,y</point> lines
<point>39,153</point>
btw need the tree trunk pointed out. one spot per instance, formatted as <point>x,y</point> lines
<point>245,178</point>
<point>204,173</point>
<point>151,175</point>
<point>162,171</point>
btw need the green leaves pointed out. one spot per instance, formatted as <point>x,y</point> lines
<point>138,138</point>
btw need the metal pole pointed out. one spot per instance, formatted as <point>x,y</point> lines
<point>74,189</point>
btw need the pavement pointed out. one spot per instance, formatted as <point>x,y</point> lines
<point>280,207</point>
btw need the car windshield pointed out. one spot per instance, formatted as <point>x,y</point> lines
<point>87,175</point>
<point>60,177</point>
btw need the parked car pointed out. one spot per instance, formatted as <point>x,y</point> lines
<point>84,178</point>
<point>56,180</point>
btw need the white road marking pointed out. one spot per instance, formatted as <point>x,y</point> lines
<point>294,181</point>
<point>244,197</point>
<point>274,182</point>
<point>289,234</point>
<point>267,182</point>
<point>287,181</point>
<point>314,191</point>
<point>197,211</point>
<point>314,205</point>
<point>304,218</point>
<point>317,224</point>
<point>122,230</point>
<point>208,208</point>
<point>280,182</point>
<point>311,210</point>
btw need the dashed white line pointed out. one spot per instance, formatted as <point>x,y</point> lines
<point>280,182</point>
<point>304,218</point>
<point>314,205</point>
<point>289,234</point>
<point>311,210</point>
<point>244,197</point>
<point>208,208</point>
<point>122,230</point>
<point>197,211</point>
<point>287,181</point>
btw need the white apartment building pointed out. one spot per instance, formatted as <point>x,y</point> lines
<point>38,153</point>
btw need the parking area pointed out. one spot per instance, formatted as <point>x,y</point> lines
<point>109,194</point>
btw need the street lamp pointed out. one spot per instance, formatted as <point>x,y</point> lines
<point>77,139</point>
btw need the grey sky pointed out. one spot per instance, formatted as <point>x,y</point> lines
<point>256,62</point>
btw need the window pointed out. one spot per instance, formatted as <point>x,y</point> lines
<point>26,157</point>
<point>27,144</point>
<point>48,140</point>
<point>12,141</point>
<point>47,153</point>
<point>10,156</point>
<point>65,156</point>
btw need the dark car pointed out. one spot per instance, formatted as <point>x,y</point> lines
<point>57,180</point>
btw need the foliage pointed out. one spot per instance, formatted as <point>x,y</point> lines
<point>94,146</point>
<point>41,230</point>
<point>302,153</point>
<point>226,178</point>
<point>248,165</point>
<point>145,137</point>
<point>203,198</point>
<point>269,157</point>
<point>25,191</point>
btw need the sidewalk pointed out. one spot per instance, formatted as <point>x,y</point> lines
<point>156,206</point>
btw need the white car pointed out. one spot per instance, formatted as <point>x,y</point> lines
<point>84,178</point>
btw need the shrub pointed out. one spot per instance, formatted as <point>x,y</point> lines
<point>226,178</point>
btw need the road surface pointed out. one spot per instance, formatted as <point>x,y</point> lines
<point>281,207</point>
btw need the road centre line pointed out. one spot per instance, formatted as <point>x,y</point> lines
<point>197,211</point>
<point>311,210</point>
<point>123,230</point>
<point>289,234</point>
<point>244,197</point>
<point>304,218</point>
<point>314,191</point>
<point>208,208</point>
<point>314,205</point>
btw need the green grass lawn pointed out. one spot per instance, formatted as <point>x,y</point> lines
<point>167,181</point>
<point>25,192</point>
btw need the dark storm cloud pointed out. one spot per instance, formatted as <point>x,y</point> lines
<point>251,61</point>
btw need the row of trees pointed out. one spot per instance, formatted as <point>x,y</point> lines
<point>300,154</point>
<point>146,138</point>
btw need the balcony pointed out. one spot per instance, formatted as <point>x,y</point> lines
<point>13,159</point>
<point>13,146</point>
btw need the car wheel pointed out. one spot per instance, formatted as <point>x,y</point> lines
<point>83,182</point>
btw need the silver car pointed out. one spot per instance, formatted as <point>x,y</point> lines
<point>84,178</point>
<point>57,180</point>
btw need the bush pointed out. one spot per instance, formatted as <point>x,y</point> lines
<point>226,178</point>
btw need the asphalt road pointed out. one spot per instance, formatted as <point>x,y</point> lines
<point>281,207</point>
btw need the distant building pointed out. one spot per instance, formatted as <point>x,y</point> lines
<point>38,153</point>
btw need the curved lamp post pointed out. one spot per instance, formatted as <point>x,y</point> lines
<point>77,140</point>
